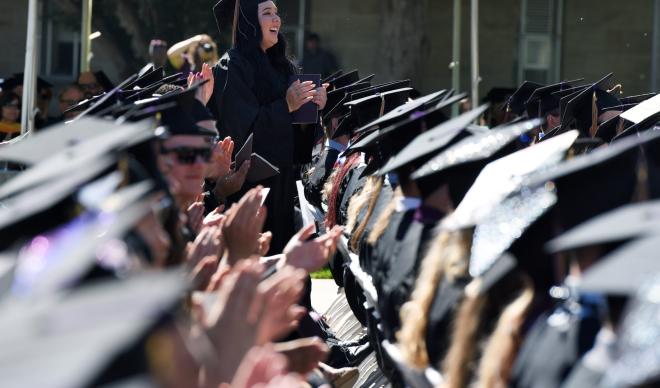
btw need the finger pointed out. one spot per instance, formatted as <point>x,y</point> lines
<point>306,232</point>
<point>325,86</point>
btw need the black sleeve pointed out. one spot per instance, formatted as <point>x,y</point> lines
<point>240,113</point>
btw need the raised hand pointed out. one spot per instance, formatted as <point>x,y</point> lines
<point>204,93</point>
<point>311,255</point>
<point>321,97</point>
<point>300,93</point>
<point>232,183</point>
<point>195,213</point>
<point>280,314</point>
<point>264,243</point>
<point>220,166</point>
<point>214,218</point>
<point>209,242</point>
<point>243,225</point>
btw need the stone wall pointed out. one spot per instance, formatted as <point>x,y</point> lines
<point>13,27</point>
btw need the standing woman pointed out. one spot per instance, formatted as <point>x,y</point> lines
<point>252,96</point>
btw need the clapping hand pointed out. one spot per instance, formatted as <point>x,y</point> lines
<point>243,224</point>
<point>311,255</point>
<point>220,166</point>
<point>204,93</point>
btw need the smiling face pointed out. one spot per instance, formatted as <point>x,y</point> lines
<point>270,23</point>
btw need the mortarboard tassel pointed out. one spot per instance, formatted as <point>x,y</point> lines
<point>237,6</point>
<point>642,176</point>
<point>594,115</point>
<point>382,105</point>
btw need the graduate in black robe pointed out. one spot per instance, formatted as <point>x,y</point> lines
<point>252,96</point>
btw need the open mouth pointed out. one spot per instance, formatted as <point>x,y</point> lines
<point>274,30</point>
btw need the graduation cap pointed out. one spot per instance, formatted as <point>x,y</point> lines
<point>367,109</point>
<point>18,79</point>
<point>600,181</point>
<point>498,95</point>
<point>332,76</point>
<point>74,339</point>
<point>335,107</point>
<point>637,99</point>
<point>47,205</point>
<point>433,140</point>
<point>623,224</point>
<point>589,102</point>
<point>481,147</point>
<point>544,99</point>
<point>149,78</point>
<point>103,80</point>
<point>403,111</point>
<point>636,361</point>
<point>98,103</point>
<point>378,89</point>
<point>504,176</point>
<point>77,156</point>
<point>516,102</point>
<point>75,251</point>
<point>344,80</point>
<point>54,139</point>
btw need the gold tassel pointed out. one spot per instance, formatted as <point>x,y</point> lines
<point>619,126</point>
<point>237,7</point>
<point>382,105</point>
<point>617,87</point>
<point>594,116</point>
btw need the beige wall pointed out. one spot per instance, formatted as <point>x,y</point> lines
<point>13,26</point>
<point>602,36</point>
<point>351,30</point>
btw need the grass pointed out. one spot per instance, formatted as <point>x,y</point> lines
<point>322,274</point>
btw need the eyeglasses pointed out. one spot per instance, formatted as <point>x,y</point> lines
<point>188,155</point>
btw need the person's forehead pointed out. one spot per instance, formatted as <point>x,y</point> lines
<point>267,4</point>
<point>72,92</point>
<point>87,77</point>
<point>186,140</point>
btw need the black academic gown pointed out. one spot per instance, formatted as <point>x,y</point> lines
<point>399,254</point>
<point>245,103</point>
<point>446,301</point>
<point>554,345</point>
<point>351,185</point>
<point>322,169</point>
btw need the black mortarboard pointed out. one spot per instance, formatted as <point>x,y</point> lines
<point>101,102</point>
<point>636,362</point>
<point>622,271</point>
<point>47,205</point>
<point>406,117</point>
<point>504,176</point>
<point>146,79</point>
<point>179,122</point>
<point>602,180</point>
<point>484,147</point>
<point>498,95</point>
<point>18,79</point>
<point>544,99</point>
<point>637,99</point>
<point>52,140</point>
<point>516,102</point>
<point>433,140</point>
<point>622,224</point>
<point>378,89</point>
<point>71,264</point>
<point>334,107</point>
<point>643,116</point>
<point>369,108</point>
<point>368,78</point>
<point>344,80</point>
<point>77,156</point>
<point>103,80</point>
<point>403,111</point>
<point>85,344</point>
<point>579,109</point>
<point>332,77</point>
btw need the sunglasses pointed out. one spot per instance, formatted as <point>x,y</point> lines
<point>188,155</point>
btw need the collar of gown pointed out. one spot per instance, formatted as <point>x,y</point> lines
<point>408,203</point>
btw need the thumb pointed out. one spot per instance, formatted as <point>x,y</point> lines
<point>306,232</point>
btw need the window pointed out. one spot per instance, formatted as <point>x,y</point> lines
<point>539,46</point>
